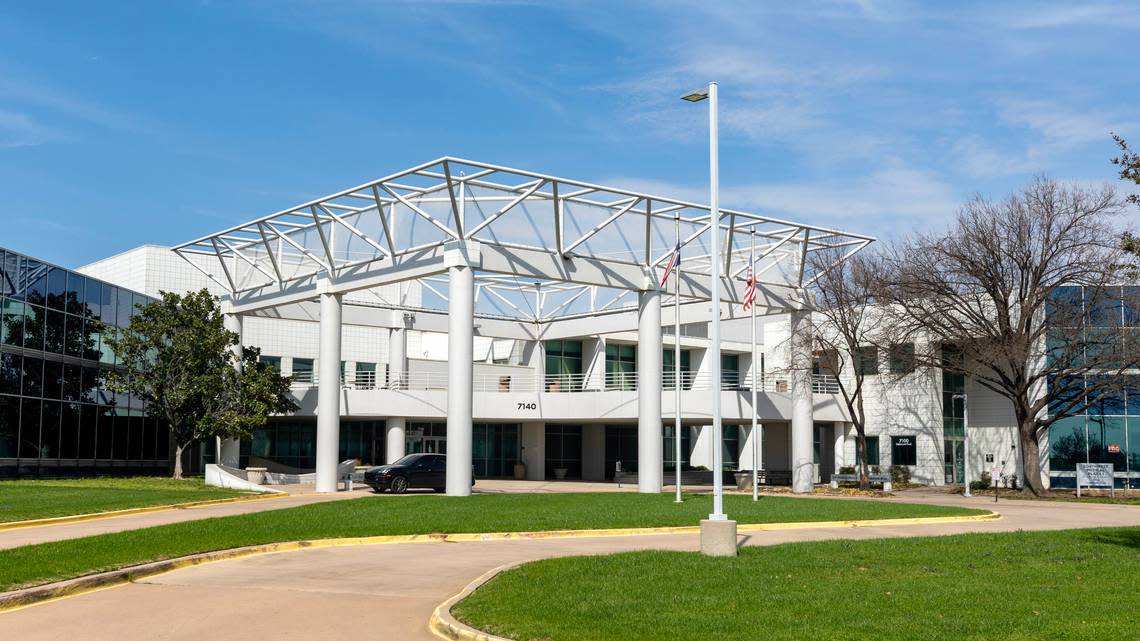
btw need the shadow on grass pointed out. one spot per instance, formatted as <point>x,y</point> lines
<point>1129,538</point>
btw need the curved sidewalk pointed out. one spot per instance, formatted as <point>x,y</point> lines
<point>60,531</point>
<point>389,591</point>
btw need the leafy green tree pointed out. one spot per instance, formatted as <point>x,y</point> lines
<point>178,356</point>
<point>1129,163</point>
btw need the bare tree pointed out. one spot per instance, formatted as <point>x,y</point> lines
<point>851,328</point>
<point>1021,287</point>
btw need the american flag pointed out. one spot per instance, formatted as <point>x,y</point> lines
<point>674,260</point>
<point>750,291</point>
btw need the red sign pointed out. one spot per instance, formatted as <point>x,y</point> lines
<point>1113,448</point>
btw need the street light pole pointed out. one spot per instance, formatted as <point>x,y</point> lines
<point>965,443</point>
<point>718,534</point>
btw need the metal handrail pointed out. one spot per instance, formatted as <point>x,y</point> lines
<point>571,383</point>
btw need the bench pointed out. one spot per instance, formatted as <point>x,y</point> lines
<point>882,479</point>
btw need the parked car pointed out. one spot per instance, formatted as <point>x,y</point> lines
<point>412,471</point>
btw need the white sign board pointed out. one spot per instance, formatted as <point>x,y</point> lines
<point>1094,475</point>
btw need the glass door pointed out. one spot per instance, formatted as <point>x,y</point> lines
<point>954,460</point>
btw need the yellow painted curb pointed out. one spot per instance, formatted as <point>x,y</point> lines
<point>95,516</point>
<point>26,597</point>
<point>445,626</point>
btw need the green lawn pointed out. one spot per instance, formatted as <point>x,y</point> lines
<point>1076,584</point>
<point>23,500</point>
<point>376,515</point>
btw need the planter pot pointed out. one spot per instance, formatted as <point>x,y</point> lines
<point>520,472</point>
<point>256,475</point>
<point>559,473</point>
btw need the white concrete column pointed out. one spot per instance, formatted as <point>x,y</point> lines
<point>395,431</point>
<point>229,449</point>
<point>840,445</point>
<point>397,350</point>
<point>803,466</point>
<point>532,438</point>
<point>649,429</point>
<point>328,393</point>
<point>593,452</point>
<point>460,369</point>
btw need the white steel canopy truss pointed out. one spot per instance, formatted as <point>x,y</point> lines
<point>548,247</point>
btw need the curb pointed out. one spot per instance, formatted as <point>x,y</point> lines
<point>94,516</point>
<point>26,597</point>
<point>445,626</point>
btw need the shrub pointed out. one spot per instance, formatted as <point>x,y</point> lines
<point>847,469</point>
<point>900,474</point>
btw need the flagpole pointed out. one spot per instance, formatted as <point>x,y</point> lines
<point>755,365</point>
<point>677,356</point>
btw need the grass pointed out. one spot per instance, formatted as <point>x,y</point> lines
<point>1061,585</point>
<point>24,500</point>
<point>46,562</point>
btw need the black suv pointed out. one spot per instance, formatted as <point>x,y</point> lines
<point>412,471</point>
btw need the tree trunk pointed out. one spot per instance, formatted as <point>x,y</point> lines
<point>861,445</point>
<point>178,459</point>
<point>1030,458</point>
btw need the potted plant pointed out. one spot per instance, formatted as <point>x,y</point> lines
<point>520,471</point>
<point>560,473</point>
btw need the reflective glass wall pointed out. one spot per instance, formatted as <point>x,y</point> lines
<point>56,416</point>
<point>1106,429</point>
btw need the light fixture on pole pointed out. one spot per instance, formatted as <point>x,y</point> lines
<point>718,534</point>
<point>965,443</point>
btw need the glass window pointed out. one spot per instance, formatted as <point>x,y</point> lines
<point>902,358</point>
<point>11,371</point>
<point>53,334</point>
<point>35,279</point>
<point>667,369</point>
<point>9,426</point>
<point>49,429</point>
<point>87,426</point>
<point>365,375</point>
<point>730,371</point>
<point>563,451</point>
<point>904,450</point>
<point>272,361</point>
<point>74,296</point>
<point>1105,308</point>
<point>1133,444</point>
<point>1067,444</point>
<point>30,428</point>
<point>93,298</point>
<point>730,445</point>
<point>872,450</point>
<point>1065,307</point>
<point>105,432</point>
<point>57,286</point>
<point>867,360</point>
<point>621,366</point>
<point>563,364</point>
<point>33,377</point>
<point>53,380</point>
<point>1106,440</point>
<point>10,274</point>
<point>35,321</point>
<point>303,370</point>
<point>12,322</point>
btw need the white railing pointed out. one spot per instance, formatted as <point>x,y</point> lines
<point>568,383</point>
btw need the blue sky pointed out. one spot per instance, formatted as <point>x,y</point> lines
<point>124,123</point>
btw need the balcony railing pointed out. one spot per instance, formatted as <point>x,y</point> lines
<point>570,383</point>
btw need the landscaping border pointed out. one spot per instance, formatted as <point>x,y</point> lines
<point>94,516</point>
<point>22,598</point>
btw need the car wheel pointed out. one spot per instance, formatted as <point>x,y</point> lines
<point>398,485</point>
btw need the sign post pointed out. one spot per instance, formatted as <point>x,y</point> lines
<point>1095,475</point>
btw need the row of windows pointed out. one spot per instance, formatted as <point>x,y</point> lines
<point>1116,306</point>
<point>35,429</point>
<point>46,378</point>
<point>900,360</point>
<point>26,279</point>
<point>1094,439</point>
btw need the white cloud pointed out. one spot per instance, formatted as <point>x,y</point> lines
<point>1095,15</point>
<point>890,199</point>
<point>21,130</point>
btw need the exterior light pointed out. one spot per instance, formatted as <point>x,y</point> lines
<point>696,95</point>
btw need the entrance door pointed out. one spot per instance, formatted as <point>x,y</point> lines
<point>954,460</point>
<point>435,444</point>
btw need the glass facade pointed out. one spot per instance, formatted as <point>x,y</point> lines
<point>953,418</point>
<point>564,450</point>
<point>56,416</point>
<point>293,444</point>
<point>1106,425</point>
<point>667,368</point>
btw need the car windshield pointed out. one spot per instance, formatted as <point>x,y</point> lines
<point>410,459</point>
